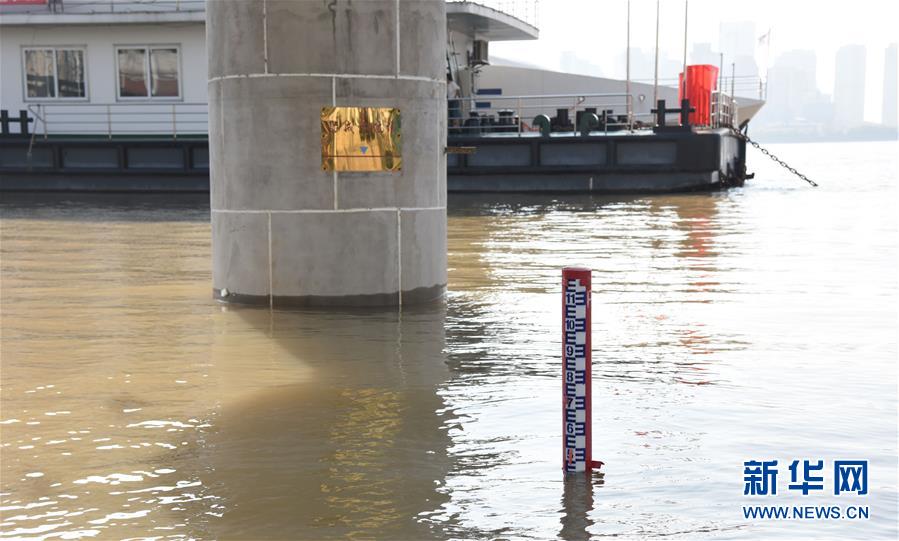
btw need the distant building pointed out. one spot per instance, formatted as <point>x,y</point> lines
<point>889,87</point>
<point>702,53</point>
<point>849,87</point>
<point>738,41</point>
<point>792,89</point>
<point>643,66</point>
<point>737,38</point>
<point>571,62</point>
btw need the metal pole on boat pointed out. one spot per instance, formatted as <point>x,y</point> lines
<point>686,17</point>
<point>720,72</point>
<point>767,64</point>
<point>719,102</point>
<point>628,102</point>
<point>733,77</point>
<point>655,83</point>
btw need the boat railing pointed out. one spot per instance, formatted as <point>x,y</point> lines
<point>89,7</point>
<point>724,110</point>
<point>509,115</point>
<point>156,120</point>
<point>518,115</point>
<point>526,11</point>
<point>749,86</point>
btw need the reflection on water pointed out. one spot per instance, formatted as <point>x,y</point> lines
<point>753,324</point>
<point>353,450</point>
<point>577,506</point>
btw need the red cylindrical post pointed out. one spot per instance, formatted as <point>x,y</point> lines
<point>702,81</point>
<point>577,444</point>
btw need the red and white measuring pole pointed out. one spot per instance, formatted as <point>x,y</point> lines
<point>577,444</point>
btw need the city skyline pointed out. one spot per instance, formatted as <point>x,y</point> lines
<point>888,109</point>
<point>849,87</point>
<point>792,25</point>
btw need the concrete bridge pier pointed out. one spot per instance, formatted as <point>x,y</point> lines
<point>290,227</point>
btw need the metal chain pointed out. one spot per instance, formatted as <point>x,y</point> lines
<point>765,151</point>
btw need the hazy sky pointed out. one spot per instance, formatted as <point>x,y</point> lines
<point>596,31</point>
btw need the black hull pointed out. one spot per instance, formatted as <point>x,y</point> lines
<point>665,162</point>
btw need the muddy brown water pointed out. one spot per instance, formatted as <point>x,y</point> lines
<point>758,323</point>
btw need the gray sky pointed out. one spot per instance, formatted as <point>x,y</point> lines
<point>573,25</point>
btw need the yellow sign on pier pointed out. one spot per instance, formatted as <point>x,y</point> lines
<point>361,139</point>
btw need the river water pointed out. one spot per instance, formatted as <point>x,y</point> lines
<point>754,324</point>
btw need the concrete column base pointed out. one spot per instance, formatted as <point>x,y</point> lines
<point>421,295</point>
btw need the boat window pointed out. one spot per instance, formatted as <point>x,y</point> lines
<point>70,73</point>
<point>164,72</point>
<point>147,72</point>
<point>132,81</point>
<point>55,73</point>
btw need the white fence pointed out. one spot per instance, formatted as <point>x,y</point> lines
<point>749,86</point>
<point>82,7</point>
<point>118,119</point>
<point>496,114</point>
<point>527,11</point>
